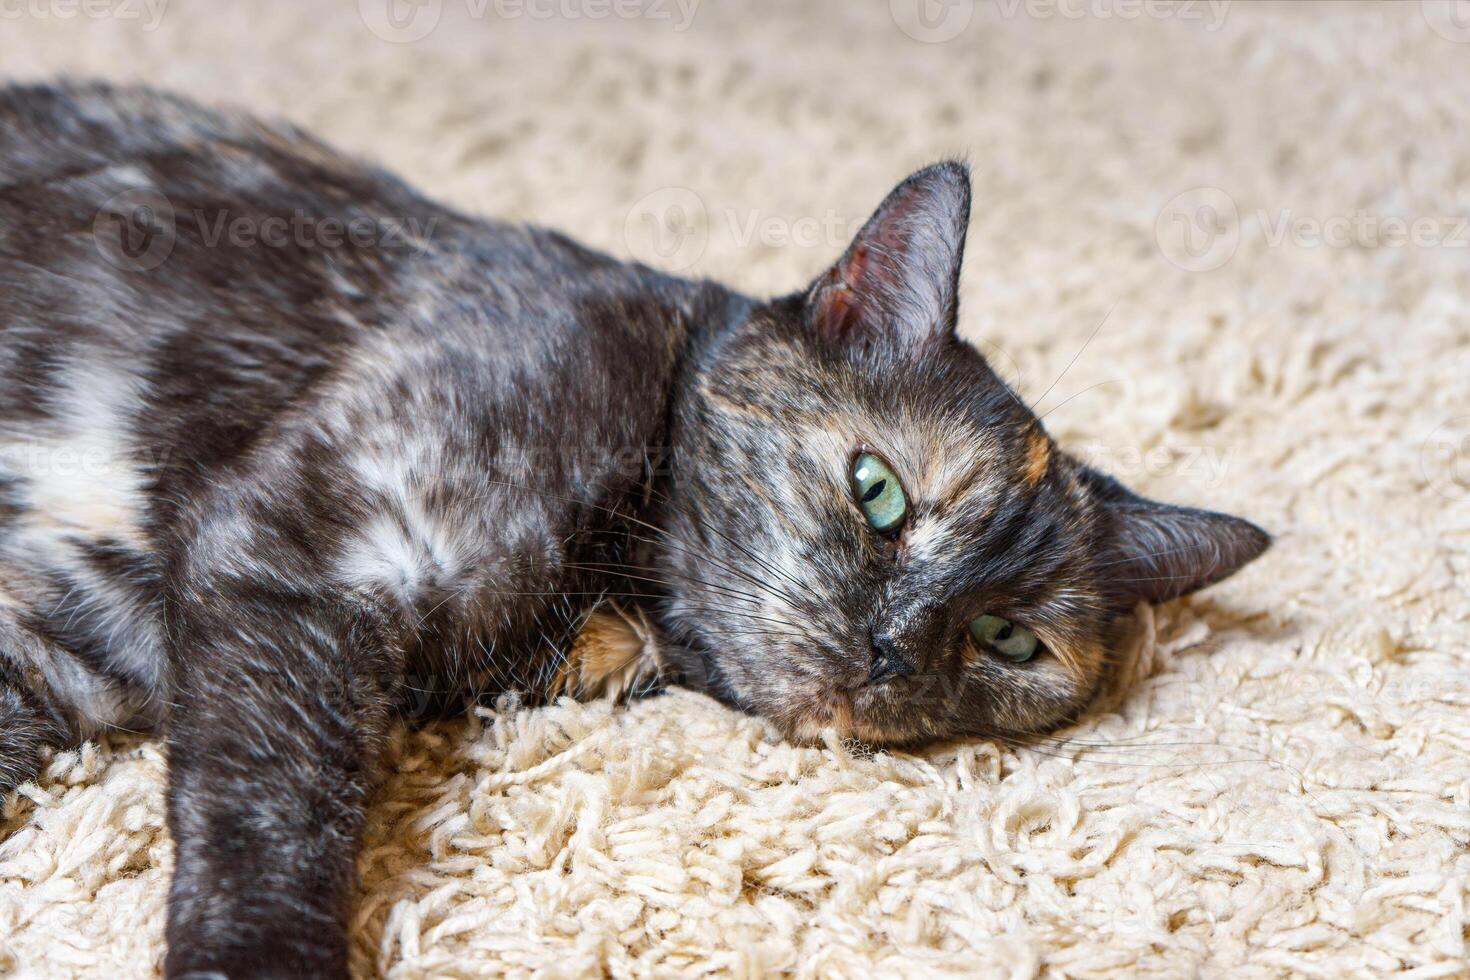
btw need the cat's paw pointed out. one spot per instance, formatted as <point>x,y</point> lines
<point>615,655</point>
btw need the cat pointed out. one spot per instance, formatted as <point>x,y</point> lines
<point>283,445</point>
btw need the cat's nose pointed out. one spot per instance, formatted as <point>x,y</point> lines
<point>903,638</point>
<point>888,660</point>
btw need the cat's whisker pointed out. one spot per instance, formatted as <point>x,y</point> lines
<point>693,512</point>
<point>761,562</point>
<point>1030,746</point>
<point>1124,744</point>
<point>701,525</point>
<point>669,539</point>
<point>438,605</point>
<point>1075,356</point>
<point>772,588</point>
<point>620,569</point>
<point>685,602</point>
<point>682,578</point>
<point>1142,557</point>
<point>752,632</point>
<point>1111,381</point>
<point>687,578</point>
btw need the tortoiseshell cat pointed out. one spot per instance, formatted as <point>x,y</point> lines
<point>261,489</point>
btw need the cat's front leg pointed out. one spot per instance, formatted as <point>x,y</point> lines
<point>282,702</point>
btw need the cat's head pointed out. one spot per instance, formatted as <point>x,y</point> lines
<point>872,531</point>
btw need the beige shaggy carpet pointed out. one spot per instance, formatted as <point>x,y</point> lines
<point>1265,208</point>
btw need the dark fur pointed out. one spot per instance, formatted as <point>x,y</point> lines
<point>327,478</point>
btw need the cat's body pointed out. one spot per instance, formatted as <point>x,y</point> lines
<point>266,489</point>
<point>146,415</point>
<point>428,434</point>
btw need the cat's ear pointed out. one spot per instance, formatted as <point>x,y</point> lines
<point>900,276</point>
<point>1156,552</point>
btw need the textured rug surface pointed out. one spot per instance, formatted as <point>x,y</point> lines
<point>1255,213</point>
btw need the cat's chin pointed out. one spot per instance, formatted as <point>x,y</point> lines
<point>811,718</point>
<point>850,714</point>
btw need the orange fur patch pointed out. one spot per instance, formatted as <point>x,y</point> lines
<point>613,652</point>
<point>1038,456</point>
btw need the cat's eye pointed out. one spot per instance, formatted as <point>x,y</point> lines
<point>1004,638</point>
<point>879,494</point>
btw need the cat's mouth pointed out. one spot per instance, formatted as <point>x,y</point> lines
<point>800,701</point>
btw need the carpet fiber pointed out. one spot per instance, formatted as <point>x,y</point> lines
<point>1227,253</point>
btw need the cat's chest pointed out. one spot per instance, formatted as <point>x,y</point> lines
<point>492,599</point>
<point>489,555</point>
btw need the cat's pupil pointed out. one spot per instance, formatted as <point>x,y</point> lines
<point>874,491</point>
<point>1004,633</point>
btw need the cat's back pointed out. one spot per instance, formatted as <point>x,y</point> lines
<point>52,132</point>
<point>165,287</point>
<point>186,293</point>
<point>188,274</point>
<point>144,345</point>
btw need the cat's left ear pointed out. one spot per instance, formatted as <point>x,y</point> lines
<point>900,276</point>
<point>1155,552</point>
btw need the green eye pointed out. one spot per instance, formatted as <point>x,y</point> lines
<point>1004,638</point>
<point>878,493</point>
